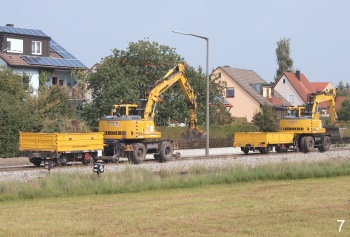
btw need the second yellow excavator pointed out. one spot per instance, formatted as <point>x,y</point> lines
<point>130,131</point>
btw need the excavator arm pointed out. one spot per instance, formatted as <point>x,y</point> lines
<point>329,95</point>
<point>176,74</point>
<point>321,97</point>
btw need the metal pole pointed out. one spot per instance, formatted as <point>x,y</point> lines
<point>207,103</point>
<point>207,91</point>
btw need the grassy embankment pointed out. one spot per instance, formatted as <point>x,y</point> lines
<point>137,180</point>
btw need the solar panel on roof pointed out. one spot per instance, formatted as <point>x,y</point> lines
<point>22,31</point>
<point>58,62</point>
<point>60,50</point>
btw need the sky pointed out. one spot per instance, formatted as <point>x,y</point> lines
<point>242,34</point>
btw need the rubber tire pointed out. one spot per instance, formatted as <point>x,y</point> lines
<point>309,144</point>
<point>325,144</point>
<point>165,151</point>
<point>139,153</point>
<point>301,144</point>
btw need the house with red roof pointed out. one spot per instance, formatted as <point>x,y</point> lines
<point>295,87</point>
<point>246,92</point>
<point>322,86</point>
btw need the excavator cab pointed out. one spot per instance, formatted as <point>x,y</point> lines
<point>123,110</point>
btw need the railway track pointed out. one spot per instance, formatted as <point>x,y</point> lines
<point>124,161</point>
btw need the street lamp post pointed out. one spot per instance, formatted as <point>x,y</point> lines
<point>207,84</point>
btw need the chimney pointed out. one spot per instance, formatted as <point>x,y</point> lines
<point>10,25</point>
<point>297,74</point>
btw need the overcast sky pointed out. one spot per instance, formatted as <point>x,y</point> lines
<point>243,34</point>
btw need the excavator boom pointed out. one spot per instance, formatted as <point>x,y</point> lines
<point>176,75</point>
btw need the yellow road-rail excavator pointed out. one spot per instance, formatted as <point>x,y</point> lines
<point>307,125</point>
<point>129,131</point>
<point>300,130</point>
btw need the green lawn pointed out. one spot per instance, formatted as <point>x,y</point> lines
<point>309,207</point>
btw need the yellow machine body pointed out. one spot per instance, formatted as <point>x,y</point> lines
<point>307,119</point>
<point>302,125</point>
<point>128,128</point>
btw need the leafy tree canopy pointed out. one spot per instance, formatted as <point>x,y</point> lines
<point>17,112</point>
<point>123,77</point>
<point>266,119</point>
<point>343,90</point>
<point>344,112</point>
<point>284,61</point>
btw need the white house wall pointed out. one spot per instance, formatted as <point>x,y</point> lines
<point>33,76</point>
<point>286,89</point>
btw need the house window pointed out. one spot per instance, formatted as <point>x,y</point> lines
<point>36,47</point>
<point>14,45</point>
<point>54,80</point>
<point>291,98</point>
<point>58,81</point>
<point>284,81</point>
<point>230,92</point>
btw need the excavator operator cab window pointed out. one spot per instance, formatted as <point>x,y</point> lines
<point>119,111</point>
<point>133,111</point>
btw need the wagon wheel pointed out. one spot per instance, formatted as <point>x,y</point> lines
<point>36,162</point>
<point>86,159</point>
<point>246,150</point>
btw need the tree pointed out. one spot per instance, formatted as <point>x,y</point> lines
<point>284,61</point>
<point>17,112</point>
<point>342,89</point>
<point>123,77</point>
<point>344,112</point>
<point>266,119</point>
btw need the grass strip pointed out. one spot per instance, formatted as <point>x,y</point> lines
<point>137,180</point>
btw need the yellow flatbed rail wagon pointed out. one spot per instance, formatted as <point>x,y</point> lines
<point>60,148</point>
<point>264,141</point>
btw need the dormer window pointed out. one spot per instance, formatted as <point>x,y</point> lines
<point>14,45</point>
<point>36,47</point>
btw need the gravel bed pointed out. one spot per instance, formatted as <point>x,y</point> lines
<point>249,160</point>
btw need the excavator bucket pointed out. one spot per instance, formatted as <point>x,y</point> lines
<point>192,135</point>
<point>335,132</point>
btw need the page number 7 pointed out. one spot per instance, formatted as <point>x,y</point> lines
<point>341,224</point>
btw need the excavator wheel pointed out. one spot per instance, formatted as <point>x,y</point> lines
<point>139,153</point>
<point>165,151</point>
<point>301,144</point>
<point>325,144</point>
<point>309,144</point>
